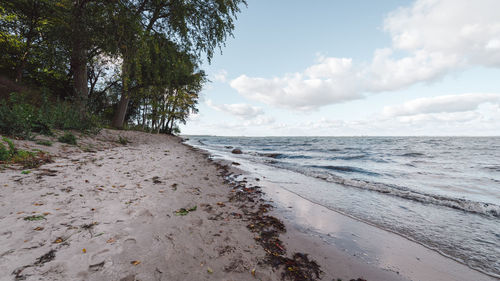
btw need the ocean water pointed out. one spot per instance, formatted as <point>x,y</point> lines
<point>443,192</point>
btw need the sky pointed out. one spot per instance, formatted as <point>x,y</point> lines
<point>356,68</point>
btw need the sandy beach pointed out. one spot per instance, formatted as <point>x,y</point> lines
<point>156,209</point>
<point>111,215</point>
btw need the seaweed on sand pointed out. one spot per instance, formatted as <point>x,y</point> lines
<point>268,229</point>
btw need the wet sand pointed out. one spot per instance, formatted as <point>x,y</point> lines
<point>345,246</point>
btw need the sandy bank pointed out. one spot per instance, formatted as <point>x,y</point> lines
<point>110,214</point>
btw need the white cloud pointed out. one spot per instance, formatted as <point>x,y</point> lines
<point>430,39</point>
<point>332,80</point>
<point>220,76</point>
<point>468,29</point>
<point>441,104</point>
<point>482,121</point>
<point>244,111</point>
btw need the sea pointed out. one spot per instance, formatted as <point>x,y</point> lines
<point>442,192</point>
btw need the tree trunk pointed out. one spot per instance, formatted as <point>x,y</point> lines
<point>79,67</point>
<point>121,111</point>
<point>79,58</point>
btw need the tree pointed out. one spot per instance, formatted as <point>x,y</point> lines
<point>199,26</point>
<point>21,26</point>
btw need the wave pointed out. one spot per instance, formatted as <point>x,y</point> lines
<point>492,168</point>
<point>481,208</point>
<point>332,173</point>
<point>345,169</point>
<point>351,157</point>
<point>413,154</point>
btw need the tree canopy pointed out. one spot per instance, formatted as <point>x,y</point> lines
<point>130,61</point>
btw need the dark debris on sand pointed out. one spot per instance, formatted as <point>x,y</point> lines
<point>267,228</point>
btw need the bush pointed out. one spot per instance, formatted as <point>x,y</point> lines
<point>19,118</point>
<point>68,138</point>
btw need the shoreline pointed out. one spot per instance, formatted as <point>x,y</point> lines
<point>422,263</point>
<point>156,209</point>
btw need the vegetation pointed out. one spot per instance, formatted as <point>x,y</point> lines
<point>68,138</point>
<point>123,140</point>
<point>82,64</point>
<point>44,142</point>
<point>27,159</point>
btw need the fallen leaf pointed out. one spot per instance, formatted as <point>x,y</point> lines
<point>221,204</point>
<point>84,250</point>
<point>110,240</point>
<point>38,204</point>
<point>209,270</point>
<point>135,262</point>
<point>38,228</point>
<point>58,240</point>
<point>21,212</point>
<point>253,272</point>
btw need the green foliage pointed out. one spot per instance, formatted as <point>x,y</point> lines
<point>25,158</point>
<point>123,140</point>
<point>4,153</point>
<point>184,211</point>
<point>44,142</point>
<point>20,118</point>
<point>7,154</point>
<point>12,147</point>
<point>68,138</point>
<point>34,218</point>
<point>69,46</point>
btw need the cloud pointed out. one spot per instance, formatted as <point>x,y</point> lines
<point>332,80</point>
<point>467,29</point>
<point>441,104</point>
<point>430,39</point>
<point>220,76</point>
<point>244,111</point>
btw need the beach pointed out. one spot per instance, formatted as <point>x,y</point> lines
<point>157,209</point>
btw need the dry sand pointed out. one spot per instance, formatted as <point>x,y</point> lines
<point>109,214</point>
